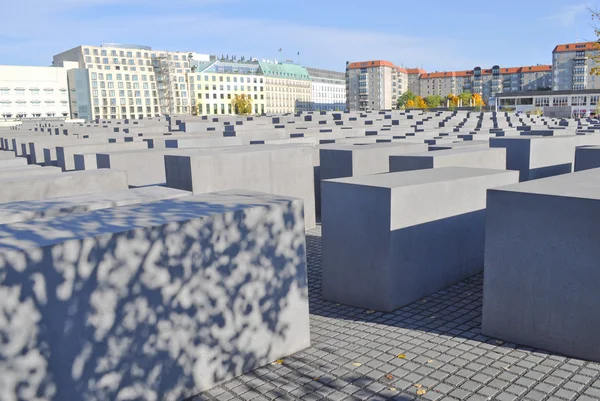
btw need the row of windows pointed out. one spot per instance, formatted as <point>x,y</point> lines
<point>136,85</point>
<point>119,77</point>
<point>227,79</point>
<point>127,53</point>
<point>121,68</point>
<point>33,102</point>
<point>222,87</point>
<point>222,96</point>
<point>32,115</point>
<point>32,91</point>
<point>224,108</point>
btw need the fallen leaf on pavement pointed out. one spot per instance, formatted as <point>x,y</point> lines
<point>278,362</point>
<point>357,364</point>
<point>421,391</point>
<point>389,377</point>
<point>402,356</point>
<point>417,385</point>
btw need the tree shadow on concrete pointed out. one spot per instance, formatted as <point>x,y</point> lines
<point>150,302</point>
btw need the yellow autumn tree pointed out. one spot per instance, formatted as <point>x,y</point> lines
<point>242,104</point>
<point>453,100</point>
<point>595,55</point>
<point>421,103</point>
<point>410,104</point>
<point>478,100</point>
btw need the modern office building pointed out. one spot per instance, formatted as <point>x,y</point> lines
<point>128,81</point>
<point>213,86</point>
<point>33,92</point>
<point>562,104</point>
<point>572,65</point>
<point>374,85</point>
<point>487,82</point>
<point>328,90</point>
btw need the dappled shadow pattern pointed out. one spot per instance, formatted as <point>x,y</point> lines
<point>150,302</point>
<point>354,355</point>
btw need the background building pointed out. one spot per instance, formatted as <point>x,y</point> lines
<point>288,87</point>
<point>487,82</point>
<point>128,81</point>
<point>562,104</point>
<point>572,65</point>
<point>214,85</point>
<point>328,90</point>
<point>374,85</point>
<point>33,92</point>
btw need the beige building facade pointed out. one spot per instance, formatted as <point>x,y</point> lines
<point>374,85</point>
<point>572,65</point>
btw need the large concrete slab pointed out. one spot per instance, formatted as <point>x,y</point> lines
<point>278,169</point>
<point>29,210</point>
<point>587,157</point>
<point>338,161</point>
<point>391,239</point>
<point>65,154</point>
<point>25,171</point>
<point>540,157</point>
<point>144,167</point>
<point>151,302</point>
<point>541,264</point>
<point>13,162</point>
<point>38,187</point>
<point>460,157</point>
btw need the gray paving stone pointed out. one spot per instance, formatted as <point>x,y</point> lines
<point>464,364</point>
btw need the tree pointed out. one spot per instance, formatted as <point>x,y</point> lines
<point>420,102</point>
<point>596,54</point>
<point>404,98</point>
<point>410,104</point>
<point>242,104</point>
<point>478,100</point>
<point>453,100</point>
<point>465,97</point>
<point>433,101</point>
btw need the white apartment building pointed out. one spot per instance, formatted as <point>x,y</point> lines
<point>572,65</point>
<point>328,90</point>
<point>33,92</point>
<point>127,81</point>
<point>374,85</point>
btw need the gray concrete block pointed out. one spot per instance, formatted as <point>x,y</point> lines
<point>29,210</point>
<point>278,169</point>
<point>460,157</point>
<point>7,155</point>
<point>85,161</point>
<point>338,161</point>
<point>65,154</point>
<point>144,167</point>
<point>13,162</point>
<point>156,302</point>
<point>38,187</point>
<point>392,239</point>
<point>539,157</point>
<point>541,264</point>
<point>23,173</point>
<point>587,157</point>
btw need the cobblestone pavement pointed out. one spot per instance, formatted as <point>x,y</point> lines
<point>429,350</point>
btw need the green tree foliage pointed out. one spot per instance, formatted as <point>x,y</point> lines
<point>433,101</point>
<point>465,97</point>
<point>404,98</point>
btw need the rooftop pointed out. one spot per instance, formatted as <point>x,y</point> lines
<point>571,47</point>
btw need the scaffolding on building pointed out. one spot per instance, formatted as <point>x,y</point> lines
<point>163,69</point>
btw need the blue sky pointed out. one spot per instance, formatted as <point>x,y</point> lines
<point>434,35</point>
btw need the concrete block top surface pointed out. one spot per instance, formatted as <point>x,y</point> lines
<point>116,198</point>
<point>39,233</point>
<point>419,177</point>
<point>357,148</point>
<point>451,152</point>
<point>582,184</point>
<point>46,177</point>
